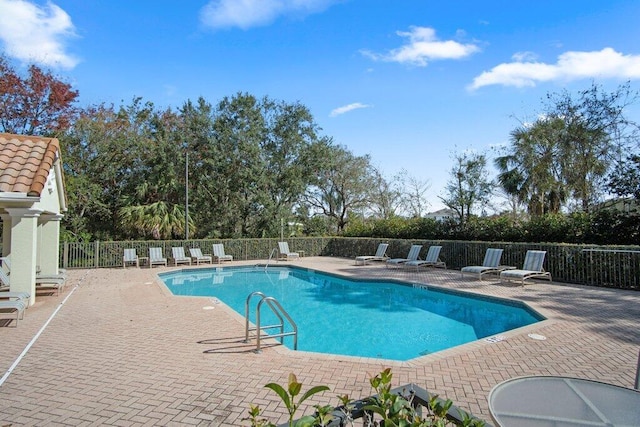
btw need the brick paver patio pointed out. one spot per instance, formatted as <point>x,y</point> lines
<point>122,351</point>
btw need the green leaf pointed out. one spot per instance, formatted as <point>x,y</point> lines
<point>398,405</point>
<point>306,421</point>
<point>312,391</point>
<point>377,409</point>
<point>294,385</point>
<point>294,389</point>
<point>281,392</point>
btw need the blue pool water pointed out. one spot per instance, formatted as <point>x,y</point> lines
<point>388,320</point>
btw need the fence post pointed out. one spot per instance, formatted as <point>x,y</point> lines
<point>97,256</point>
<point>65,255</point>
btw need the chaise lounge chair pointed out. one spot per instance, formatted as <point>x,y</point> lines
<point>431,260</point>
<point>218,253</point>
<point>531,268</point>
<point>156,257</point>
<point>7,294</point>
<point>491,264</point>
<point>413,254</point>
<point>179,257</point>
<point>285,253</point>
<point>46,283</point>
<point>130,257</point>
<point>62,275</point>
<point>40,278</point>
<point>16,307</point>
<point>381,255</point>
<point>15,296</point>
<point>198,257</point>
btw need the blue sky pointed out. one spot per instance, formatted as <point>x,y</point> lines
<point>408,82</point>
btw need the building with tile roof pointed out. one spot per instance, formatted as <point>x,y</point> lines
<point>32,204</point>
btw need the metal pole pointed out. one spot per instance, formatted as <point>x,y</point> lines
<point>186,198</point>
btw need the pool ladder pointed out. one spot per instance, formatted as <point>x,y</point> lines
<point>269,260</point>
<point>280,313</point>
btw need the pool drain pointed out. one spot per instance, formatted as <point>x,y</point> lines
<point>496,338</point>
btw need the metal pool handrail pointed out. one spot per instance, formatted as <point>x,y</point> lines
<point>279,311</point>
<point>270,256</point>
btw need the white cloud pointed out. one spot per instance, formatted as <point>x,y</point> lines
<point>37,34</point>
<point>423,46</point>
<point>355,106</point>
<point>606,63</point>
<point>254,13</point>
<point>524,57</point>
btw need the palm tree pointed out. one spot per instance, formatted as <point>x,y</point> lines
<point>160,220</point>
<point>531,171</point>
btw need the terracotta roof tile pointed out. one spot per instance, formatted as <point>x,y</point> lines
<point>9,174</point>
<point>25,162</point>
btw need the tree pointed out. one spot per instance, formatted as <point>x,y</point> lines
<point>596,132</point>
<point>156,207</point>
<point>248,168</point>
<point>225,164</point>
<point>129,167</point>
<point>38,104</point>
<point>530,171</point>
<point>385,195</point>
<point>341,183</point>
<point>92,152</point>
<point>290,131</point>
<point>247,163</point>
<point>413,195</point>
<point>566,154</point>
<point>468,186</point>
<point>624,180</point>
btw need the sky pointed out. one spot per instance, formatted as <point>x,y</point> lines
<point>408,82</point>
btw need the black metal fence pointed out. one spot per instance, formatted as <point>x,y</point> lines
<point>606,266</point>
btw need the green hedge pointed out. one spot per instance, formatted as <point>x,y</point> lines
<point>604,227</point>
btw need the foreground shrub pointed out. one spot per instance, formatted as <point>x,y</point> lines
<point>385,408</point>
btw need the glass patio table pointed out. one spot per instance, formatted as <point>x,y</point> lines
<point>543,401</point>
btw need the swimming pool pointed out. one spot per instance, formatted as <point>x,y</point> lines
<point>336,315</point>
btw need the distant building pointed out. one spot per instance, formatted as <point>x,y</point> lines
<point>442,214</point>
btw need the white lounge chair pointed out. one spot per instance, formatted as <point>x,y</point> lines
<point>7,294</point>
<point>179,257</point>
<point>130,257</point>
<point>49,286</point>
<point>198,257</point>
<point>43,283</point>
<point>156,257</point>
<point>15,296</point>
<point>6,268</point>
<point>43,276</point>
<point>218,253</point>
<point>491,264</point>
<point>532,268</point>
<point>431,260</point>
<point>40,278</point>
<point>16,307</point>
<point>381,255</point>
<point>285,252</point>
<point>413,254</point>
